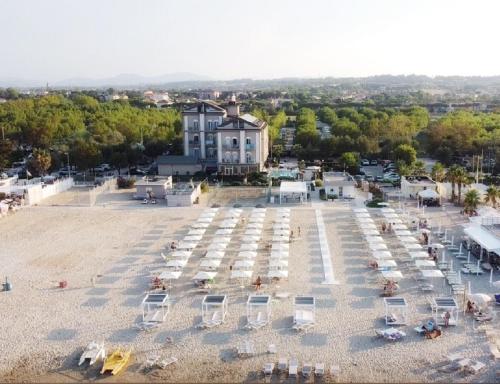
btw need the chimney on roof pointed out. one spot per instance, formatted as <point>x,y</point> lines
<point>233,108</point>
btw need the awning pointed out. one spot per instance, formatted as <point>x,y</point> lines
<point>428,194</point>
<point>483,237</point>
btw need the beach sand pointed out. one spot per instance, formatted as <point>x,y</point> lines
<point>117,247</point>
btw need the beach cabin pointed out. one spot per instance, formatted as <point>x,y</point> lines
<point>213,310</point>
<point>155,307</point>
<point>396,309</point>
<point>304,312</point>
<point>154,189</point>
<point>293,192</point>
<point>258,311</point>
<point>443,305</point>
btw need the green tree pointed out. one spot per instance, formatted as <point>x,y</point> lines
<point>492,194</point>
<point>405,153</point>
<point>462,178</point>
<point>6,150</point>
<point>438,172</point>
<point>40,162</point>
<point>85,154</point>
<point>350,160</point>
<point>418,168</point>
<point>327,115</point>
<point>471,201</point>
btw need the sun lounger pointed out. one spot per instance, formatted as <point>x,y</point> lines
<point>268,369</point>
<point>93,352</point>
<point>147,326</point>
<point>271,349</point>
<point>475,367</point>
<point>319,369</point>
<point>293,368</point>
<point>303,320</point>
<point>495,353</point>
<point>307,369</point>
<point>334,371</point>
<point>282,364</point>
<point>163,363</point>
<point>245,349</point>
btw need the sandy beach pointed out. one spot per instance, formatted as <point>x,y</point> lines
<point>109,253</point>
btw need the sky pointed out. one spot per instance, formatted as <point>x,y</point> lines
<point>53,40</point>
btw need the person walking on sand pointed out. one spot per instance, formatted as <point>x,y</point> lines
<point>298,230</point>
<point>447,319</point>
<point>258,283</point>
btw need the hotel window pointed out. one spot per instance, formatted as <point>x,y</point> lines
<point>248,140</point>
<point>195,124</point>
<point>235,142</point>
<point>209,125</point>
<point>195,139</point>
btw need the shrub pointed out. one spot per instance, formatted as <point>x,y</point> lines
<point>2,195</point>
<point>124,183</point>
<point>332,196</point>
<point>204,187</point>
<point>318,182</point>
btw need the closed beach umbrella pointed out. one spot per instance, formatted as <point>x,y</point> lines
<point>480,299</point>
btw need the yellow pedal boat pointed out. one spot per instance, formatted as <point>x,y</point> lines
<point>115,362</point>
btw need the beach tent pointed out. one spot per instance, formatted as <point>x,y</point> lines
<point>258,311</point>
<point>210,263</point>
<point>248,247</point>
<point>205,275</point>
<point>214,255</point>
<point>217,247</point>
<point>155,307</point>
<point>396,309</point>
<point>213,310</point>
<point>278,274</point>
<point>441,305</point>
<point>247,255</point>
<point>240,274</point>
<point>245,264</point>
<point>304,308</point>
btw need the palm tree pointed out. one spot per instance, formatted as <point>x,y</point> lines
<point>419,168</point>
<point>438,172</point>
<point>462,178</point>
<point>471,201</point>
<point>451,177</point>
<point>492,193</point>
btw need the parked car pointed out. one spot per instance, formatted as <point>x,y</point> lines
<point>365,162</point>
<point>389,167</point>
<point>369,178</point>
<point>373,162</point>
<point>137,172</point>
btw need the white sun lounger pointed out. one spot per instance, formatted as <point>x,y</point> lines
<point>319,369</point>
<point>303,320</point>
<point>268,369</point>
<point>282,364</point>
<point>163,363</point>
<point>307,369</point>
<point>93,352</point>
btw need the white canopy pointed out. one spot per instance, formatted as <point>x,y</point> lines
<point>210,263</point>
<point>278,263</point>
<point>382,254</point>
<point>192,238</point>
<point>386,263</point>
<point>187,245</point>
<point>377,246</point>
<point>419,255</point>
<point>248,247</point>
<point>200,225</point>
<point>250,239</point>
<point>288,188</point>
<point>428,194</point>
<point>392,275</point>
<point>483,237</point>
<point>176,263</point>
<point>217,247</point>
<point>360,210</point>
<point>403,233</point>
<point>244,264</point>
<point>170,275</point>
<point>204,275</point>
<point>432,273</point>
<point>253,232</point>
<point>223,232</point>
<point>247,254</point>
<point>424,263</point>
<point>278,273</point>
<point>239,274</point>
<point>221,239</point>
<point>255,225</point>
<point>196,232</point>
<point>181,254</point>
<point>374,239</point>
<point>371,232</point>
<point>214,255</point>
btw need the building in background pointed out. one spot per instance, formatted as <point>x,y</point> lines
<point>339,184</point>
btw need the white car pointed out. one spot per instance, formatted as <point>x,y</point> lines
<point>365,162</point>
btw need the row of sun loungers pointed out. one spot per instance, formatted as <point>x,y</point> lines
<point>291,367</point>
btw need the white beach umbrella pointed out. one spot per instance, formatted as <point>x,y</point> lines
<point>192,238</point>
<point>425,263</point>
<point>176,263</point>
<point>255,225</point>
<point>279,254</point>
<point>181,254</point>
<point>217,247</point>
<point>196,232</point>
<point>480,299</point>
<point>278,263</point>
<point>250,239</point>
<point>205,219</point>
<point>360,210</point>
<point>431,273</point>
<point>247,254</point>
<point>419,255</point>
<point>387,263</point>
<point>377,246</point>
<point>244,264</point>
<point>382,254</point>
<point>413,246</point>
<point>249,247</point>
<point>403,233</point>
<point>221,239</point>
<point>253,232</point>
<point>280,246</point>
<point>210,263</point>
<point>391,215</point>
<point>224,232</point>
<point>374,239</point>
<point>407,239</point>
<point>361,215</point>
<point>278,274</point>
<point>392,275</point>
<point>370,232</point>
<point>170,275</point>
<point>400,227</point>
<point>387,210</point>
<point>204,275</point>
<point>366,220</point>
<point>187,245</point>
<point>214,255</point>
<point>200,225</point>
<point>239,274</point>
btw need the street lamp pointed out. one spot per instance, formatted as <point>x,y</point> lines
<point>69,169</point>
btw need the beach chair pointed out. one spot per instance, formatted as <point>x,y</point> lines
<point>319,369</point>
<point>307,369</point>
<point>474,367</point>
<point>163,363</point>
<point>282,364</point>
<point>293,368</point>
<point>271,349</point>
<point>495,353</point>
<point>268,369</point>
<point>334,371</point>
